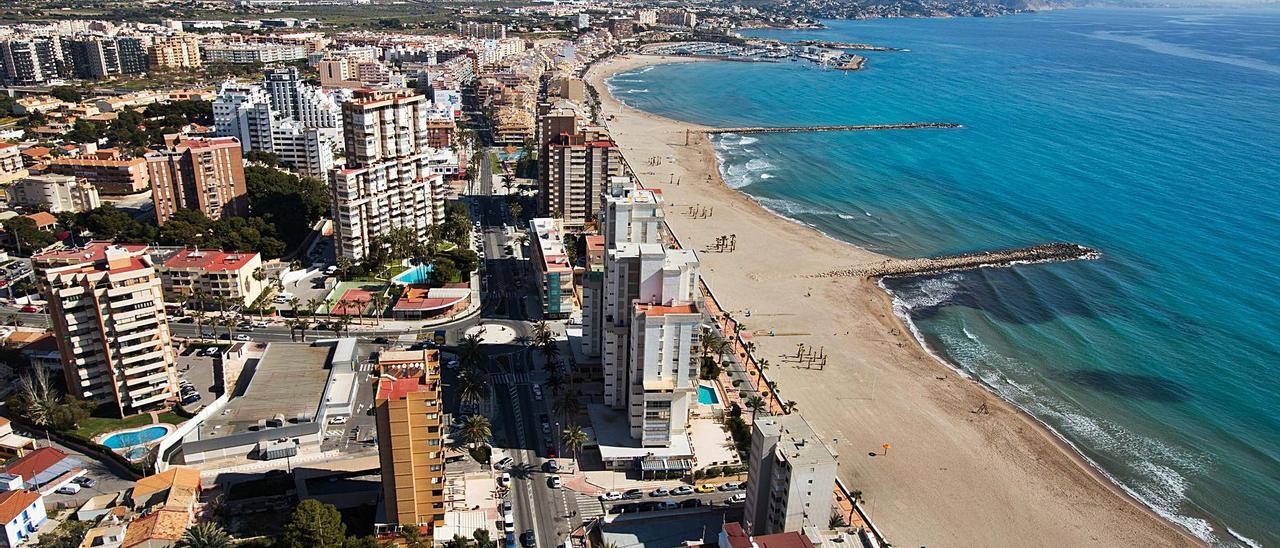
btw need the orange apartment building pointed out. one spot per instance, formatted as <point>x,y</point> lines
<point>206,174</point>
<point>410,438</point>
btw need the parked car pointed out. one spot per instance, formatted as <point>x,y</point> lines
<point>668,505</point>
<point>611,495</point>
<point>633,494</point>
<point>69,489</point>
<point>659,492</point>
<point>706,488</point>
<point>690,503</point>
<point>527,539</point>
<point>504,480</point>
<point>509,521</point>
<point>738,498</point>
<point>553,482</point>
<point>682,490</point>
<point>340,419</point>
<point>551,466</point>
<point>259,324</point>
<point>85,481</point>
<point>506,505</point>
<point>242,337</point>
<point>503,464</point>
<point>728,486</point>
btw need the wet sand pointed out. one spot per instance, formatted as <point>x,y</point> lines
<point>952,477</point>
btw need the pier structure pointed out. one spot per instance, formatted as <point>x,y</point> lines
<point>1052,252</point>
<point>860,127</point>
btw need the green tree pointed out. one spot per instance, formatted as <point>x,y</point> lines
<point>573,438</point>
<point>475,430</point>
<point>66,93</point>
<point>756,405</point>
<point>24,234</point>
<point>204,535</point>
<point>314,524</point>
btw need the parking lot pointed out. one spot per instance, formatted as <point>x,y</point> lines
<point>200,371</point>
<point>107,478</point>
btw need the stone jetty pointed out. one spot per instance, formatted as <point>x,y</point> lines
<point>864,127</point>
<point>1052,252</point>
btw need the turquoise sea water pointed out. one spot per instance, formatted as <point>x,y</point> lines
<point>1152,135</point>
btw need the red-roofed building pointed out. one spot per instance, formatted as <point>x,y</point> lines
<point>22,513</point>
<point>43,220</point>
<point>44,469</point>
<point>107,312</point>
<point>733,536</point>
<point>410,440</point>
<point>213,273</point>
<point>418,302</point>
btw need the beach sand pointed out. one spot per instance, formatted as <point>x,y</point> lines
<point>952,477</point>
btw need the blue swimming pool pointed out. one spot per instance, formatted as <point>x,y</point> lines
<point>136,437</point>
<point>707,395</point>
<point>416,275</point>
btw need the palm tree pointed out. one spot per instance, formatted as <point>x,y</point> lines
<point>555,382</point>
<point>473,385</point>
<point>312,305</point>
<point>13,320</point>
<point>573,438</point>
<point>259,275</point>
<point>756,405</point>
<point>762,365</point>
<point>475,430</point>
<point>293,305</point>
<point>344,265</point>
<point>469,351</point>
<point>379,305</point>
<point>789,407</point>
<point>303,325</point>
<point>199,316</point>
<point>568,404</point>
<point>204,535</point>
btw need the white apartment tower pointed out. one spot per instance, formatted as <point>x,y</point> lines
<point>792,477</point>
<point>107,313</point>
<point>649,320</point>
<point>388,181</point>
<point>248,113</point>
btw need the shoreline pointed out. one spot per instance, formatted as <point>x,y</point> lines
<point>1050,493</point>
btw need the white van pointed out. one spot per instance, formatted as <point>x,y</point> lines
<point>69,489</point>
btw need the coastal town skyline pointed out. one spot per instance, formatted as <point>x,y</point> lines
<point>785,273</point>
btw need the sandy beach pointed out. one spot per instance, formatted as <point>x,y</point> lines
<point>952,477</point>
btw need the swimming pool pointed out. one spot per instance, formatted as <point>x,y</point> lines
<point>121,440</point>
<point>416,275</point>
<point>707,395</point>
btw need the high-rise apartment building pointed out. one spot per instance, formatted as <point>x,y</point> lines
<point>198,173</point>
<point>247,112</point>
<point>177,51</point>
<point>554,273</point>
<point>107,313</point>
<point>792,479</point>
<point>648,320</point>
<point>488,31</point>
<point>664,339</point>
<point>556,118</point>
<point>30,61</point>
<point>96,57</point>
<point>388,181</point>
<point>578,172</point>
<point>410,438</point>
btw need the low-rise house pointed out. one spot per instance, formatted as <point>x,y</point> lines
<point>43,220</point>
<point>22,513</point>
<point>44,470</point>
<point>13,444</point>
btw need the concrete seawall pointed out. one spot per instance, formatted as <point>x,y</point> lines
<point>863,127</point>
<point>1053,252</point>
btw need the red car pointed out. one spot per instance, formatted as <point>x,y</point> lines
<point>29,308</point>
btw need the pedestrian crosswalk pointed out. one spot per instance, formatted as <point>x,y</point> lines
<point>588,507</point>
<point>515,409</point>
<point>519,377</point>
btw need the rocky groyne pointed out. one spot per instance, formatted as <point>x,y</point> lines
<point>1052,252</point>
<point>863,127</point>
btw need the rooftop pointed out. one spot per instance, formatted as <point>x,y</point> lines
<point>288,380</point>
<point>12,503</point>
<point>162,525</point>
<point>208,260</point>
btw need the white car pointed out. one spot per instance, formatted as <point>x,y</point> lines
<point>504,480</point>
<point>340,419</point>
<point>738,498</point>
<point>509,521</point>
<point>553,482</point>
<point>610,496</point>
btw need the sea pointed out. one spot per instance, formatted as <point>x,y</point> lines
<point>1152,135</point>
